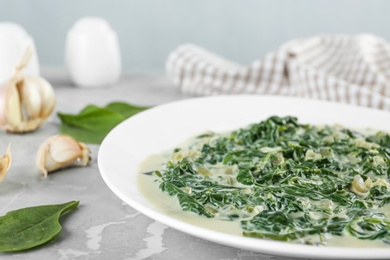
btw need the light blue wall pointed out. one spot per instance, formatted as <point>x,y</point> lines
<point>241,30</point>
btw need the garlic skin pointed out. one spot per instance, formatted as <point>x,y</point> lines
<point>61,151</point>
<point>5,163</point>
<point>25,101</point>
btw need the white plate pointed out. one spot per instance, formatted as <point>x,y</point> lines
<point>165,126</point>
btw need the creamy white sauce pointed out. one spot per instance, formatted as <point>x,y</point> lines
<point>170,206</point>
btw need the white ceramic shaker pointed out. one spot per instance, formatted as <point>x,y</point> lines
<point>92,53</point>
<point>14,41</point>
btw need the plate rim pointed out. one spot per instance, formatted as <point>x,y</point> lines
<point>289,249</point>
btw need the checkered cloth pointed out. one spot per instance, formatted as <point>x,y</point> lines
<point>351,69</point>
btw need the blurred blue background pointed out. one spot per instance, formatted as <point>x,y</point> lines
<point>148,30</point>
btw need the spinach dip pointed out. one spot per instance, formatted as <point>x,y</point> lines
<point>283,180</point>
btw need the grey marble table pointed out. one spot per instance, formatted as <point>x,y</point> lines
<point>103,227</point>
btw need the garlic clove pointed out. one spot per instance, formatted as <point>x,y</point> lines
<point>13,111</point>
<point>359,187</point>
<point>30,97</point>
<point>49,101</point>
<point>37,97</point>
<point>64,148</point>
<point>5,163</point>
<point>61,151</point>
<point>25,101</point>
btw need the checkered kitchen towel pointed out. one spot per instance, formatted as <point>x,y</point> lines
<point>351,69</point>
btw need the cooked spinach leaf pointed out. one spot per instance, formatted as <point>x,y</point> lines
<point>287,181</point>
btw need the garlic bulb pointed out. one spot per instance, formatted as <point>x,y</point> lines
<point>25,101</point>
<point>5,163</point>
<point>61,151</point>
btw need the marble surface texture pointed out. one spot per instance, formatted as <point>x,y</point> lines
<point>103,227</point>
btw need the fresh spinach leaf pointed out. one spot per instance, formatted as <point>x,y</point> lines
<point>126,110</point>
<point>30,227</point>
<point>93,123</point>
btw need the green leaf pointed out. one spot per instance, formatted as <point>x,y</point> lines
<point>30,227</point>
<point>245,177</point>
<point>125,109</point>
<point>89,109</point>
<point>284,237</point>
<point>91,126</point>
<point>190,204</point>
<point>93,123</point>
